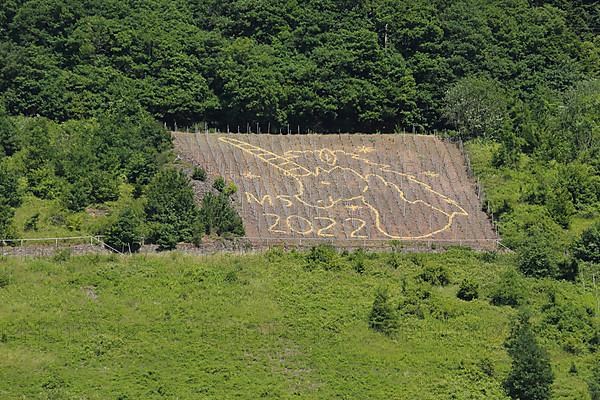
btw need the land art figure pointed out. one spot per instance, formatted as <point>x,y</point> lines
<point>325,182</point>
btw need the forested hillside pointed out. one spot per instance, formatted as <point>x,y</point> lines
<point>518,79</point>
<point>352,65</point>
<point>89,90</point>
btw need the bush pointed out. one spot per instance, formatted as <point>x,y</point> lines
<point>587,247</point>
<point>165,236</point>
<point>230,189</point>
<point>217,215</point>
<point>508,291</point>
<point>171,202</point>
<point>219,184</point>
<point>6,218</point>
<point>468,290</point>
<point>435,274</point>
<point>531,375</point>
<point>125,233</point>
<point>536,258</point>
<point>62,255</point>
<point>382,317</point>
<point>199,174</point>
<point>322,256</point>
<point>394,261</point>
<point>32,223</point>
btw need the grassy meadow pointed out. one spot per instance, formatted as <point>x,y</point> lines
<point>272,325</point>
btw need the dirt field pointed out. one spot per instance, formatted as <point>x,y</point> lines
<point>345,188</point>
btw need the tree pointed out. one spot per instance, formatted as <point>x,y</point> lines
<point>468,290</point>
<point>382,317</point>
<point>509,290</point>
<point>587,247</point>
<point>477,106</point>
<point>125,233</point>
<point>170,203</point>
<point>8,144</point>
<point>594,382</point>
<point>530,377</point>
<point>217,215</point>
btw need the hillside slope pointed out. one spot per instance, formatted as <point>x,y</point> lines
<point>346,187</point>
<point>266,326</point>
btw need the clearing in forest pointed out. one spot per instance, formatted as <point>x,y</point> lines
<point>345,187</point>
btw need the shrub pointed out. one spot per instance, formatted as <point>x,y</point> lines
<point>382,317</point>
<point>32,223</point>
<point>536,259</point>
<point>125,233</point>
<point>217,215</point>
<point>165,237</point>
<point>414,301</point>
<point>594,382</point>
<point>62,255</point>
<point>359,265</point>
<point>358,258</point>
<point>587,247</point>
<point>322,256</point>
<point>219,184</point>
<point>199,174</point>
<point>468,290</point>
<point>230,189</point>
<point>435,274</point>
<point>6,219</point>
<point>171,202</point>
<point>531,375</point>
<point>394,261</point>
<point>508,291</point>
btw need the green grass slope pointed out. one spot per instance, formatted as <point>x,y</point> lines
<point>266,326</point>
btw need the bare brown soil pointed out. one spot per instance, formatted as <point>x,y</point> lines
<point>365,189</point>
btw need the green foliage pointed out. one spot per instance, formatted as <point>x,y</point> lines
<point>509,290</point>
<point>435,275</point>
<point>8,144</point>
<point>477,107</point>
<point>62,255</point>
<point>382,317</point>
<point>587,247</point>
<point>594,381</point>
<point>315,323</point>
<point>322,257</point>
<point>199,174</point>
<point>530,377</point>
<point>218,216</point>
<point>230,189</point>
<point>32,223</point>
<point>4,278</point>
<point>170,208</point>
<point>219,184</point>
<point>535,258</point>
<point>126,232</point>
<point>468,290</point>
<point>10,194</point>
<point>325,65</point>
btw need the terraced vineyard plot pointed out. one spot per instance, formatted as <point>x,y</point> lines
<point>345,187</point>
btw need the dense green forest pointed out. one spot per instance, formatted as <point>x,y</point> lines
<point>350,65</point>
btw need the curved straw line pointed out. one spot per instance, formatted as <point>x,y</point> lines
<point>288,166</point>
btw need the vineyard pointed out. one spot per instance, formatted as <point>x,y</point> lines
<point>367,189</point>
